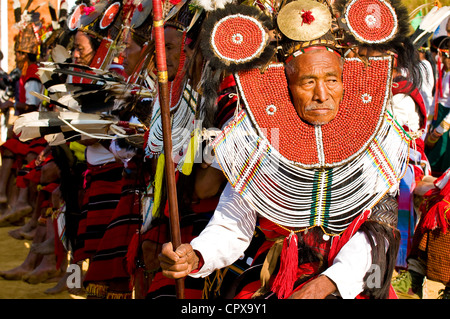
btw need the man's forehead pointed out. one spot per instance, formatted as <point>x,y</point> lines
<point>172,34</point>
<point>317,58</point>
<point>81,37</point>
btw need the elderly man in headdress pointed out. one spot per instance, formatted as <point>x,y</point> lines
<point>302,166</point>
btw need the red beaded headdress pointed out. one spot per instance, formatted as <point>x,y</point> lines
<point>237,37</point>
<point>240,37</point>
<point>291,172</point>
<point>375,23</point>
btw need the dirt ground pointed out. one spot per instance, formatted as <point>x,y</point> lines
<point>13,253</point>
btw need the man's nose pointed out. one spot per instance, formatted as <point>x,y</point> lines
<point>320,92</point>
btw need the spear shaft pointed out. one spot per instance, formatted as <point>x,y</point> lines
<point>158,27</point>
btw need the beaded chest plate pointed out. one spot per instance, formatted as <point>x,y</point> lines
<point>360,115</point>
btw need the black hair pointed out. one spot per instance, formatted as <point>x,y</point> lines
<point>94,41</point>
<point>408,59</point>
<point>438,43</point>
<point>194,32</point>
<point>32,57</point>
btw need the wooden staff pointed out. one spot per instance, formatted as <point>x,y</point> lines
<point>158,27</point>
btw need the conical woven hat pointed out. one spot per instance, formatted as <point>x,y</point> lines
<point>304,20</point>
<point>27,41</point>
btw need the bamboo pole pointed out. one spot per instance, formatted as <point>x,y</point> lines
<point>158,27</point>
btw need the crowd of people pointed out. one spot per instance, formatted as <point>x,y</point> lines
<point>308,145</point>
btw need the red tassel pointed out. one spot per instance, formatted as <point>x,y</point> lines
<point>436,217</point>
<point>284,282</point>
<point>60,251</point>
<point>429,218</point>
<point>442,222</point>
<point>133,249</point>
<point>435,209</point>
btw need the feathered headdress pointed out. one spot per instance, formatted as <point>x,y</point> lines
<point>140,22</point>
<point>237,37</point>
<point>383,26</point>
<point>380,24</point>
<point>250,34</point>
<point>429,24</point>
<point>29,25</point>
<point>98,19</point>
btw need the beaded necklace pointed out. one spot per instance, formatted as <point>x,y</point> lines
<point>183,115</point>
<point>297,197</point>
<point>184,136</point>
<point>267,101</point>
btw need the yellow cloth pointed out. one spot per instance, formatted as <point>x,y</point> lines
<point>78,150</point>
<point>158,185</point>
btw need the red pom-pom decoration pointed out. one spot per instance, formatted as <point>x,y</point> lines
<point>307,17</point>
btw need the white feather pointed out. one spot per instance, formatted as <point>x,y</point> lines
<point>70,102</point>
<point>27,125</point>
<point>210,5</point>
<point>60,54</point>
<point>430,22</point>
<point>434,18</point>
<point>220,4</point>
<point>58,88</point>
<point>16,4</point>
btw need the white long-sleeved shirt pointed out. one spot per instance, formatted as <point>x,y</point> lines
<point>32,86</point>
<point>230,231</point>
<point>444,126</point>
<point>406,112</point>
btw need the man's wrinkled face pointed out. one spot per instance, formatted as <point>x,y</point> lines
<point>21,58</point>
<point>83,52</point>
<point>173,39</point>
<point>315,83</point>
<point>131,54</point>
